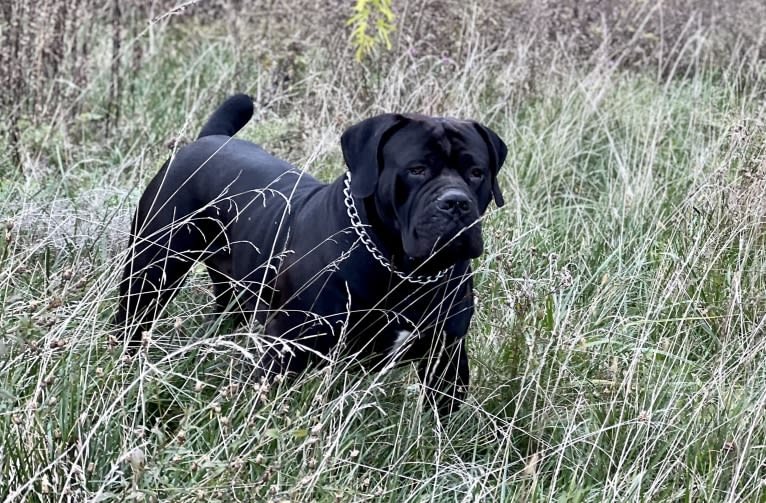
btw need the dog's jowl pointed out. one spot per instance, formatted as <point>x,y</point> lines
<point>375,264</point>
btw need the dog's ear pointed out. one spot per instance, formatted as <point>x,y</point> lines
<point>497,152</point>
<point>362,146</point>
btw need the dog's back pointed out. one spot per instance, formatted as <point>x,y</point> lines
<point>189,210</point>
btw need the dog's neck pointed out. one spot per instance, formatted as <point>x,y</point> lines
<point>389,242</point>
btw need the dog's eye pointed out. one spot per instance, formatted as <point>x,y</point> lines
<point>417,170</point>
<point>477,173</point>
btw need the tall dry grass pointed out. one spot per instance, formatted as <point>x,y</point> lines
<point>618,342</point>
<point>55,51</point>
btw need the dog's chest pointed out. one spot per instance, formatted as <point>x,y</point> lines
<point>407,326</point>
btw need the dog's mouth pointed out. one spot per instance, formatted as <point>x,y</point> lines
<point>439,227</point>
<point>443,243</point>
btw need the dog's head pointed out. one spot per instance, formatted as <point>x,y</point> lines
<point>431,179</point>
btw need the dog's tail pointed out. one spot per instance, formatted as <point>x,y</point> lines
<point>230,117</point>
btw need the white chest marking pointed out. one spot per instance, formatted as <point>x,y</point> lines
<point>402,337</point>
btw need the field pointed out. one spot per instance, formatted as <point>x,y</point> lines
<point>618,347</point>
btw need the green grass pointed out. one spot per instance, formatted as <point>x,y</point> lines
<point>617,350</point>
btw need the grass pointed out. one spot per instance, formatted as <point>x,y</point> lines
<point>617,350</point>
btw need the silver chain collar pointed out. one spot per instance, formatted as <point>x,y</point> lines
<point>359,228</point>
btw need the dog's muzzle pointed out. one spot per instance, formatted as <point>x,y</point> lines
<point>448,228</point>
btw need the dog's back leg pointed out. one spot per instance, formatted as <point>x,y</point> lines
<point>227,303</point>
<point>445,374</point>
<point>222,289</point>
<point>159,260</point>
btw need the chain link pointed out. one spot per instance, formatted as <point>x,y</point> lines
<point>356,223</point>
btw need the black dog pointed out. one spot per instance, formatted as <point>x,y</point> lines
<point>375,264</point>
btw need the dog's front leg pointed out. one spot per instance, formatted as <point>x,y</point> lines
<point>445,375</point>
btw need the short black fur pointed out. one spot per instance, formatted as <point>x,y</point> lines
<point>280,248</point>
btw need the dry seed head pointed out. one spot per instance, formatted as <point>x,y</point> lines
<point>354,453</point>
<point>530,469</point>
<point>99,372</point>
<point>216,407</point>
<point>614,368</point>
<point>137,459</point>
<point>198,386</point>
<point>67,274</point>
<point>52,401</point>
<point>259,459</point>
<point>565,278</point>
<point>178,323</point>
<point>55,303</point>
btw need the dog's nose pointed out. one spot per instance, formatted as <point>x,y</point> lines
<point>454,201</point>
